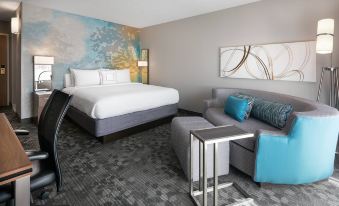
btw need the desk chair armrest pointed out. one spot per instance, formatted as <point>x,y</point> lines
<point>21,132</point>
<point>36,155</point>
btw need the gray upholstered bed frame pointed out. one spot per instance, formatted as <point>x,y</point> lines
<point>102,128</point>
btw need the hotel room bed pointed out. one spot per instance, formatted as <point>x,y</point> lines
<point>105,109</point>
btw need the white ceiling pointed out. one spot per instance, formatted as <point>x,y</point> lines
<point>139,13</point>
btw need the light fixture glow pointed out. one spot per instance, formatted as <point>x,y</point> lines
<point>142,63</point>
<point>43,60</point>
<point>325,34</point>
<point>15,25</point>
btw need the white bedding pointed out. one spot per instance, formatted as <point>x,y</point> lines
<point>103,101</point>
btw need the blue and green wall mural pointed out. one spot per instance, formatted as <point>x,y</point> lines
<point>77,42</point>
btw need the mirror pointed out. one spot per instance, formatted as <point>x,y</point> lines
<point>43,73</point>
<point>42,77</point>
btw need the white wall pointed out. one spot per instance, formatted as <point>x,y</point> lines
<point>184,54</point>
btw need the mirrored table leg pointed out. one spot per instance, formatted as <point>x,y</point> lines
<point>215,174</point>
<point>205,176</point>
<point>22,192</point>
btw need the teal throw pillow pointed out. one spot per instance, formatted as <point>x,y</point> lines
<point>250,102</point>
<point>236,108</point>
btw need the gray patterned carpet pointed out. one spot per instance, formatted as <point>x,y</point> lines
<point>142,169</point>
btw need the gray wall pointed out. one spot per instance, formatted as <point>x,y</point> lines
<point>184,54</point>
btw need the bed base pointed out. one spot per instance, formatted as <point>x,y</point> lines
<point>120,126</point>
<point>134,130</point>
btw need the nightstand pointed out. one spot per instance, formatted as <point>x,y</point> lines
<point>40,99</point>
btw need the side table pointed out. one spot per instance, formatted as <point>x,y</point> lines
<point>213,136</point>
<point>40,99</point>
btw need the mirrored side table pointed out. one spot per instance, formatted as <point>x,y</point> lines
<point>214,136</point>
<point>40,99</point>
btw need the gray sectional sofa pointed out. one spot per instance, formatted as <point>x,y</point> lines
<point>302,152</point>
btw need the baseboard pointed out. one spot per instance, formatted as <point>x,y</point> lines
<point>27,120</point>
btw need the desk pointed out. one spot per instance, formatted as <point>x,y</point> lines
<point>15,166</point>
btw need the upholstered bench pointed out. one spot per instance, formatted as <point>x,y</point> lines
<point>180,141</point>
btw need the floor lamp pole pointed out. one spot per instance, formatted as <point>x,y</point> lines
<point>334,85</point>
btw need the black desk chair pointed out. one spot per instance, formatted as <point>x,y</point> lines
<point>6,194</point>
<point>46,167</point>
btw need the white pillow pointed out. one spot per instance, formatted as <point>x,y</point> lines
<point>68,80</point>
<point>108,76</point>
<point>83,77</point>
<point>123,76</point>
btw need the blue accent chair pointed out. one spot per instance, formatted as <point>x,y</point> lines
<point>302,152</point>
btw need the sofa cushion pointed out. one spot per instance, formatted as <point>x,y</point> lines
<point>216,116</point>
<point>236,108</point>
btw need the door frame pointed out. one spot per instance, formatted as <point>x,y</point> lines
<point>8,68</point>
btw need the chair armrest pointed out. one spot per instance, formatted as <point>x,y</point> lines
<point>272,155</point>
<point>262,132</point>
<point>266,137</point>
<point>21,132</point>
<point>36,155</point>
<point>304,154</point>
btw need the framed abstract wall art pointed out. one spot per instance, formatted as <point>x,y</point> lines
<point>284,61</point>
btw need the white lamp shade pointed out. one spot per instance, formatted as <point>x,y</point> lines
<point>325,26</point>
<point>324,44</point>
<point>15,25</point>
<point>325,33</point>
<point>142,63</point>
<point>41,60</point>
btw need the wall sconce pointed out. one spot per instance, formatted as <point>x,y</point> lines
<point>142,63</point>
<point>43,72</point>
<point>15,25</point>
<point>43,60</point>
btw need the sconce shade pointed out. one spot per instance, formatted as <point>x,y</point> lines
<point>325,34</point>
<point>41,60</point>
<point>15,25</point>
<point>142,63</point>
